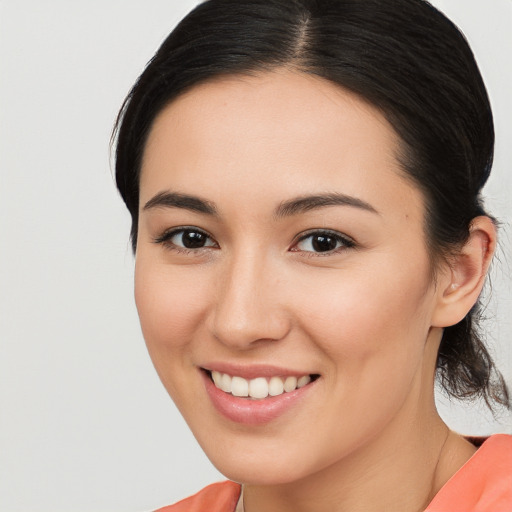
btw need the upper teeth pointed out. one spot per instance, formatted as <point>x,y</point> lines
<point>259,387</point>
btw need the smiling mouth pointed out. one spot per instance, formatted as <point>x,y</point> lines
<point>258,388</point>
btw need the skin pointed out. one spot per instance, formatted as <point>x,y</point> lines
<point>367,318</point>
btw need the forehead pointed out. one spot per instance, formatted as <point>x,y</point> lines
<point>269,135</point>
<point>282,106</point>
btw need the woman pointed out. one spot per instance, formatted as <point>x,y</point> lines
<point>304,181</point>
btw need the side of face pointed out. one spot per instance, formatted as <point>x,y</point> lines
<point>233,274</point>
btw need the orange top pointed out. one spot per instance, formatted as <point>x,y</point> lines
<point>219,497</point>
<point>483,484</point>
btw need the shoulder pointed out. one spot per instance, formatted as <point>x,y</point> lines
<point>483,484</point>
<point>219,497</point>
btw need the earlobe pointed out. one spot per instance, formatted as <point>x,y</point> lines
<point>465,275</point>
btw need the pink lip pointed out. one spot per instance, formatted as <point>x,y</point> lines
<point>253,412</point>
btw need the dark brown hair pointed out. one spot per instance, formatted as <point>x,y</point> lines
<point>404,57</point>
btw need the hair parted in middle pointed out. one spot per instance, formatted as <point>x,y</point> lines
<point>402,56</point>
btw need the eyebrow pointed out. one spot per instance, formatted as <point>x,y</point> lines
<point>288,208</point>
<point>306,203</point>
<point>184,201</point>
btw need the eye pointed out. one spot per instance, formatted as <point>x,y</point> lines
<point>186,239</point>
<point>323,242</point>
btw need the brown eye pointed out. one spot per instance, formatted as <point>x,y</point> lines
<point>192,239</point>
<point>186,238</point>
<point>323,242</point>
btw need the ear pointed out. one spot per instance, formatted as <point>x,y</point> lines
<point>461,282</point>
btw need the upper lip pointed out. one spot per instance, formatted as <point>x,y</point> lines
<point>254,370</point>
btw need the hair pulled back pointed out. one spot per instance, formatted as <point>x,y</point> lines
<point>404,57</point>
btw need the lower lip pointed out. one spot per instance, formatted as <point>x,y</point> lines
<point>253,412</point>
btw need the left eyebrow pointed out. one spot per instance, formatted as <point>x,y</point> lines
<point>304,204</point>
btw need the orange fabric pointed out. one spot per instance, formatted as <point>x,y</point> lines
<point>483,484</point>
<point>219,497</point>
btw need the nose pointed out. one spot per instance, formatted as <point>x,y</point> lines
<point>248,307</point>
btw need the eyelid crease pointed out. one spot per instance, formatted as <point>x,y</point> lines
<point>336,234</point>
<point>169,233</point>
<point>346,241</point>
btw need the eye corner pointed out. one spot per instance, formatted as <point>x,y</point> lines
<point>329,242</point>
<point>203,240</point>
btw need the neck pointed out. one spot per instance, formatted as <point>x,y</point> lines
<point>397,475</point>
<point>400,470</point>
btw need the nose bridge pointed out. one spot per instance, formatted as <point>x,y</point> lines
<point>247,306</point>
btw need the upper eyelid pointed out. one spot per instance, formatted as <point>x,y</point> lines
<point>308,233</point>
<point>346,241</point>
<point>168,233</point>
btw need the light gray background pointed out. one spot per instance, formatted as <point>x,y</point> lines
<point>85,425</point>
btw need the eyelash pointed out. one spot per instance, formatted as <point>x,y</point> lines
<point>166,237</point>
<point>345,241</point>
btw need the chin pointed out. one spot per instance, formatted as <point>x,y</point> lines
<point>261,462</point>
<point>258,473</point>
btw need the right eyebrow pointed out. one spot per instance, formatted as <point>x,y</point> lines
<point>169,199</point>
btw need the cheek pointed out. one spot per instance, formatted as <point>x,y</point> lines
<point>373,332</point>
<point>369,322</point>
<point>170,303</point>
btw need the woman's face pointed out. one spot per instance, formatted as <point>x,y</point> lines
<point>278,243</point>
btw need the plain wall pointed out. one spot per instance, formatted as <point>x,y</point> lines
<point>85,425</point>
